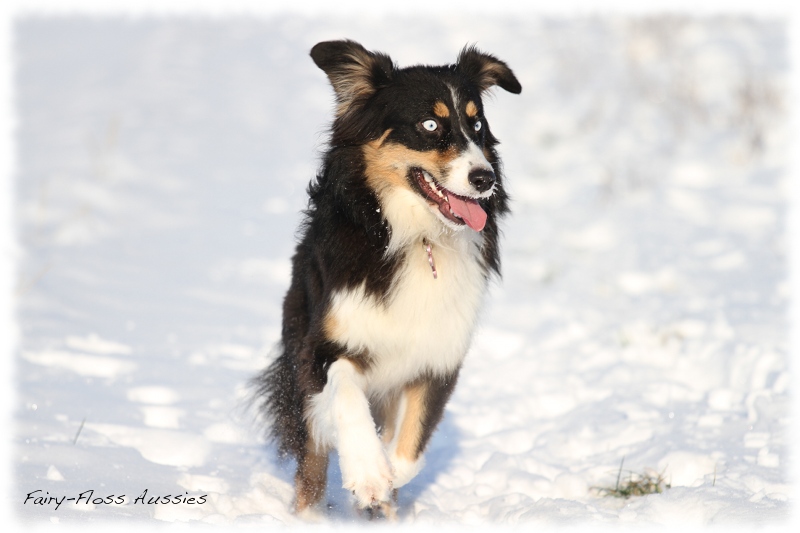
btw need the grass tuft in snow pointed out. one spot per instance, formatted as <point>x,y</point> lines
<point>635,485</point>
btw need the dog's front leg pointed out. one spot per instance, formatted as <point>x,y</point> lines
<point>340,416</point>
<point>416,413</point>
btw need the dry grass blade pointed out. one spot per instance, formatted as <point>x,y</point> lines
<point>635,484</point>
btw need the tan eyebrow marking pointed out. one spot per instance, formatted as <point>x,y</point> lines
<point>440,109</point>
<point>472,109</point>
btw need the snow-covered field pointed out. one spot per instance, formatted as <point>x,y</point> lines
<point>642,316</point>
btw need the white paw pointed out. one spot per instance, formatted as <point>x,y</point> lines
<point>405,470</point>
<point>367,473</point>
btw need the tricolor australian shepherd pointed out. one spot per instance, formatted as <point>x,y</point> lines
<point>398,243</point>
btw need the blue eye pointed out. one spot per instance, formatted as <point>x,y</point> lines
<point>430,125</point>
<point>478,125</point>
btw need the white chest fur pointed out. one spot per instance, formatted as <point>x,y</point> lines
<point>426,324</point>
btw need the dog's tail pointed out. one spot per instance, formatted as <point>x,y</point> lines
<point>279,400</point>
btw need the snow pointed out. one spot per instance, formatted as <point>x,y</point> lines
<point>642,316</point>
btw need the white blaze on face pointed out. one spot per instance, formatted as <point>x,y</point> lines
<point>456,176</point>
<point>457,173</point>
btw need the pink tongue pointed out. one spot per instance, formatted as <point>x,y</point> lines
<point>469,210</point>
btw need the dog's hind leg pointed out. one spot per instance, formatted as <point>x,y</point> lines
<point>340,416</point>
<point>310,479</point>
<point>419,410</point>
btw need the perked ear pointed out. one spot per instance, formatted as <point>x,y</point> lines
<point>485,70</point>
<point>355,73</point>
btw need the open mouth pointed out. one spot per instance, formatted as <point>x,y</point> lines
<point>455,208</point>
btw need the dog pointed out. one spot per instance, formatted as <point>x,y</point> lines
<point>397,247</point>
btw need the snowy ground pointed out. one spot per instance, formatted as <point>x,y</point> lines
<point>642,314</point>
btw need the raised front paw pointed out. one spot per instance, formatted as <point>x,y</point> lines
<point>368,476</point>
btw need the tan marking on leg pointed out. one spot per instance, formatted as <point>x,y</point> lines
<point>441,110</point>
<point>411,425</point>
<point>472,109</point>
<point>311,477</point>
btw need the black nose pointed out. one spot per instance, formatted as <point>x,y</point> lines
<point>482,179</point>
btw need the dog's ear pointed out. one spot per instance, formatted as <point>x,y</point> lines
<point>355,73</point>
<point>485,70</point>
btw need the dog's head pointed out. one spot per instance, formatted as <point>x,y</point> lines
<point>427,146</point>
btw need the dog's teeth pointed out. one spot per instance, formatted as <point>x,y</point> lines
<point>428,178</point>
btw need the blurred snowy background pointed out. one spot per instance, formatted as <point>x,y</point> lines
<point>162,164</point>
